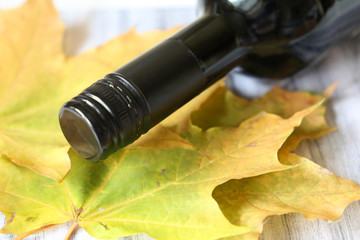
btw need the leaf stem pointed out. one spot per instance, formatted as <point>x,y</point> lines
<point>72,230</point>
<point>24,235</point>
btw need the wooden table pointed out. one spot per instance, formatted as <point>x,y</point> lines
<point>338,151</point>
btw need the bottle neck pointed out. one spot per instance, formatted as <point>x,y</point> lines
<point>216,41</point>
<point>178,69</point>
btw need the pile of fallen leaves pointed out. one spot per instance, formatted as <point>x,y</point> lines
<point>214,169</point>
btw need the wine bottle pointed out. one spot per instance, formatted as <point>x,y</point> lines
<point>267,38</point>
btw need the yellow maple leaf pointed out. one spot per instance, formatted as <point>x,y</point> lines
<point>308,189</point>
<point>36,78</point>
<point>162,186</point>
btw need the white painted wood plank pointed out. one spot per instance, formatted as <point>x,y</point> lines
<point>338,151</point>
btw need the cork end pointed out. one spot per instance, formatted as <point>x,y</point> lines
<point>80,133</point>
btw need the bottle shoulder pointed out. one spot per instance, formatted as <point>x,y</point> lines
<point>275,20</point>
<point>285,36</point>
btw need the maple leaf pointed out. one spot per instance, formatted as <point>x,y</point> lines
<point>175,175</point>
<point>308,189</point>
<point>301,189</point>
<point>38,78</point>
<point>162,184</point>
<point>222,109</point>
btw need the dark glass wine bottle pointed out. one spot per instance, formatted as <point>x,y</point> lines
<point>267,38</point>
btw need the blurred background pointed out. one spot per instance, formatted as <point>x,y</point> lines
<point>91,23</point>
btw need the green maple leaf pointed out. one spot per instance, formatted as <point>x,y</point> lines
<point>162,185</point>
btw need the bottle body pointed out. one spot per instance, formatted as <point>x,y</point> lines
<point>268,38</point>
<point>286,36</point>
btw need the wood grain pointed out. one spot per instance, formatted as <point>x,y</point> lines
<point>338,151</point>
